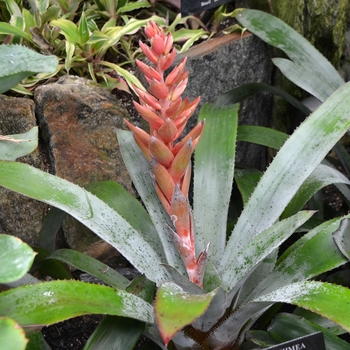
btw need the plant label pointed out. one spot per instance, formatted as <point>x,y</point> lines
<point>313,341</point>
<point>190,7</point>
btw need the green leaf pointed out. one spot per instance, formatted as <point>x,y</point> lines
<point>295,161</point>
<point>139,170</point>
<point>342,239</point>
<point>69,30</point>
<point>92,266</point>
<point>240,93</point>
<point>6,28</point>
<point>18,145</point>
<point>115,332</point>
<point>51,302</point>
<point>190,35</point>
<point>174,309</point>
<point>51,225</point>
<point>88,209</point>
<point>16,258</point>
<point>286,327</point>
<point>321,177</point>
<point>130,27</point>
<point>12,337</point>
<point>83,29</point>
<point>130,78</point>
<point>37,342</point>
<point>279,34</point>
<point>135,5</point>
<point>18,62</point>
<point>50,14</point>
<point>213,177</point>
<point>327,300</point>
<point>260,247</point>
<point>307,80</point>
<point>53,268</point>
<point>246,180</point>
<point>13,8</point>
<point>261,136</point>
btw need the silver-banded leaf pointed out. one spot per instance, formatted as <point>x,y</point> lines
<point>296,160</point>
<point>328,300</point>
<point>279,34</point>
<point>260,247</point>
<point>16,258</point>
<point>213,177</point>
<point>127,206</point>
<point>316,255</point>
<point>51,302</point>
<point>18,62</point>
<point>89,210</point>
<point>19,145</point>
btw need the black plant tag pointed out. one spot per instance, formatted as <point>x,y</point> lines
<point>190,7</point>
<point>313,341</point>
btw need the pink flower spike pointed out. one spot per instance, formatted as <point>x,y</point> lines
<point>181,161</point>
<point>142,147</point>
<point>181,215</point>
<point>195,134</point>
<point>181,77</point>
<point>158,45</point>
<point>158,89</point>
<point>142,135</point>
<point>169,41</point>
<point>148,71</point>
<point>167,131</point>
<point>178,91</point>
<point>172,76</point>
<point>174,108</point>
<point>151,29</point>
<point>148,98</point>
<point>186,180</point>
<point>163,179</point>
<point>160,152</point>
<point>201,265</point>
<point>182,64</point>
<point>184,250</point>
<point>150,117</point>
<point>166,61</point>
<point>163,199</point>
<point>148,53</point>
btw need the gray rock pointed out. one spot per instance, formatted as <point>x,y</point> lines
<point>219,65</point>
<point>20,216</point>
<point>78,122</point>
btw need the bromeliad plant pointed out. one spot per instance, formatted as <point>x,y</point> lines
<point>167,115</point>
<point>211,299</point>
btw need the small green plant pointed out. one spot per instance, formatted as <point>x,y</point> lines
<point>211,287</point>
